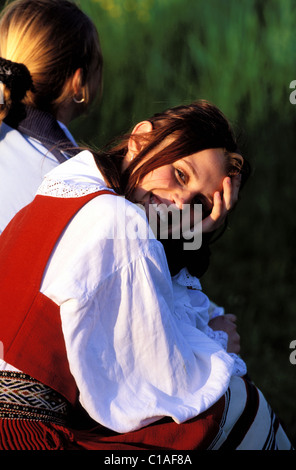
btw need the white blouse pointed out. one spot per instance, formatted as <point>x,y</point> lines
<point>133,359</point>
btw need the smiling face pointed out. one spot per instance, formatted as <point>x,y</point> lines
<point>192,179</point>
<point>181,160</point>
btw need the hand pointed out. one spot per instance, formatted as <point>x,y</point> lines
<point>227,323</point>
<point>222,205</point>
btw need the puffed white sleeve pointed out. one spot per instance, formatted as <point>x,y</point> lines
<point>133,362</point>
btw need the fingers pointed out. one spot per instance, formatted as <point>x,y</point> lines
<point>223,322</point>
<point>227,323</point>
<point>227,194</point>
<point>231,187</point>
<point>230,317</point>
<point>222,205</point>
<point>217,216</point>
<point>233,345</point>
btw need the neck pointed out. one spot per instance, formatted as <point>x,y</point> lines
<point>67,113</point>
<point>63,118</point>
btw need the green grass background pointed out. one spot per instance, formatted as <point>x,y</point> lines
<point>241,56</point>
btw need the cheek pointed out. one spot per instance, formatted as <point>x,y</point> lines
<point>160,178</point>
<point>155,181</point>
<point>142,188</point>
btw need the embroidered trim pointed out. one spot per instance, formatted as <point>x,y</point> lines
<point>59,188</point>
<point>184,278</point>
<point>22,397</point>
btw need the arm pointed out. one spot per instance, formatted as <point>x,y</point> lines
<point>132,362</point>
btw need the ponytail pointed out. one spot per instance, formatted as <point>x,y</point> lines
<point>15,81</point>
<point>53,39</point>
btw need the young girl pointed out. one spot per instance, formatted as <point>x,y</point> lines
<point>37,141</point>
<point>87,306</point>
<point>50,71</point>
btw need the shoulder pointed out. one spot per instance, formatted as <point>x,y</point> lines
<point>10,138</point>
<point>113,217</point>
<point>108,238</point>
<point>104,213</point>
<point>22,167</point>
<point>20,147</point>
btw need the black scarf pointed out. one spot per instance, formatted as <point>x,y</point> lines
<point>43,127</point>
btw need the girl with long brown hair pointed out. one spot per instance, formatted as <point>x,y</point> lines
<point>87,309</point>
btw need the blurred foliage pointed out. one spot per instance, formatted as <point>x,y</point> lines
<point>240,56</point>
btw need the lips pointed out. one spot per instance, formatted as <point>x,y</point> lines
<point>159,206</point>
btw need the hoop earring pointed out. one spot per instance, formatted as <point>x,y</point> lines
<point>78,101</point>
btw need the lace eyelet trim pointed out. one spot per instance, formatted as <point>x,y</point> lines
<point>60,188</point>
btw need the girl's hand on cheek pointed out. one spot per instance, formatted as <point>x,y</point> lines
<point>222,205</point>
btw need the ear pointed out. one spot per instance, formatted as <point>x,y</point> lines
<point>77,87</point>
<point>135,145</point>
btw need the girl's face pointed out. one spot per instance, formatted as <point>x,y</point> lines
<point>192,179</point>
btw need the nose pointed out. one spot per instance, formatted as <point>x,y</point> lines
<point>182,197</point>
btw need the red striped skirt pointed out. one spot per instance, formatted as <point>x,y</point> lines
<point>34,417</point>
<point>34,435</point>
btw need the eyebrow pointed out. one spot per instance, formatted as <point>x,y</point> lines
<point>192,168</point>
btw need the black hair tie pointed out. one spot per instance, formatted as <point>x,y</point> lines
<point>16,77</point>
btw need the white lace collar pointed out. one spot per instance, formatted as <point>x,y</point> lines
<point>76,177</point>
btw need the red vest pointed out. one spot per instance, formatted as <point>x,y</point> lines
<point>30,328</point>
<point>30,324</point>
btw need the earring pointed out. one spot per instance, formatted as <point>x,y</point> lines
<point>78,101</point>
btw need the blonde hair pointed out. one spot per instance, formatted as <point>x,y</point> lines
<point>52,38</point>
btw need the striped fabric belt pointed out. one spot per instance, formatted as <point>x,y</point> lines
<point>22,397</point>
